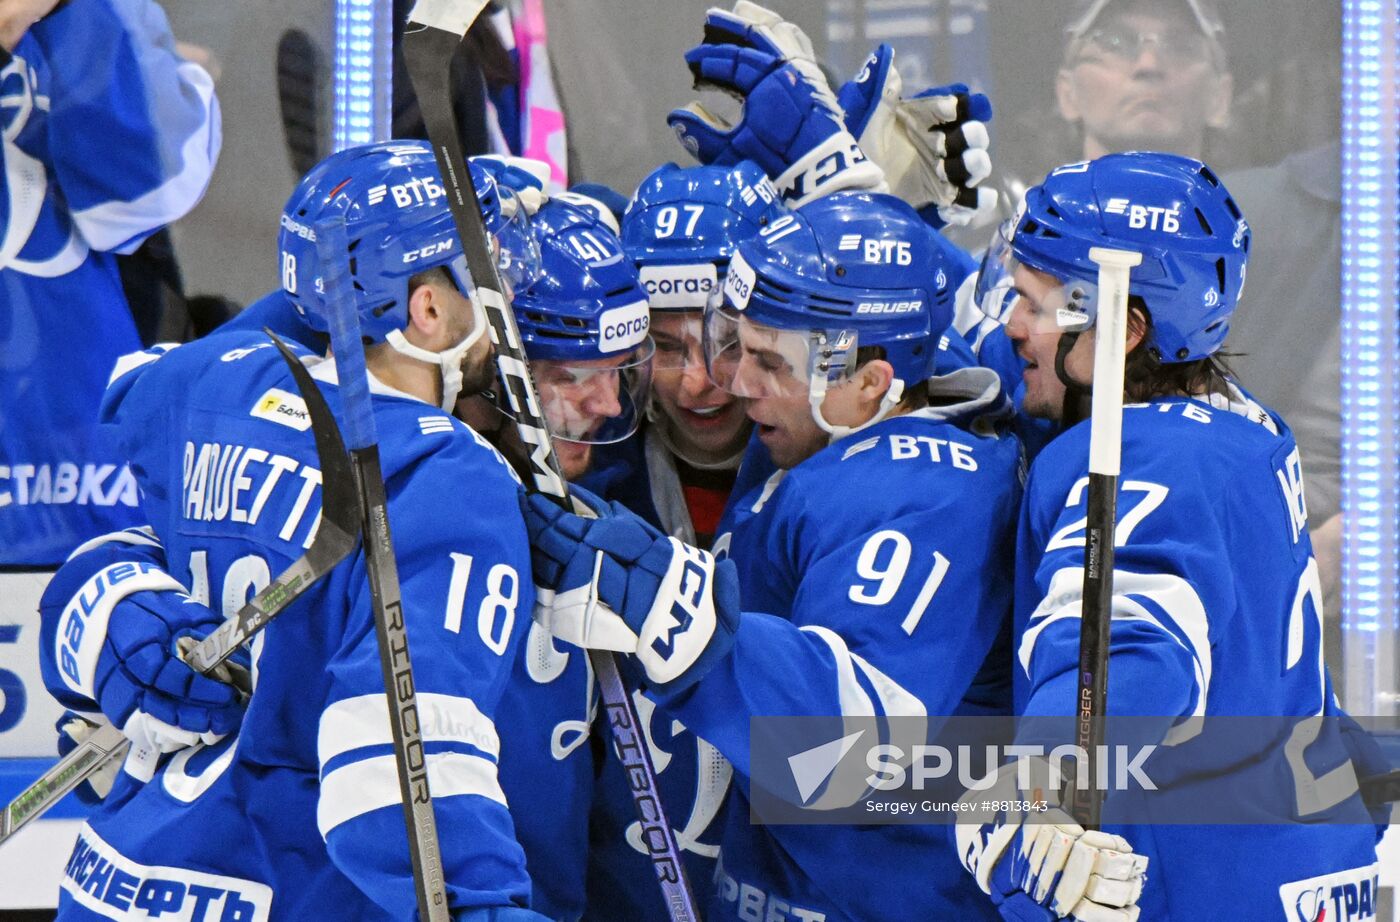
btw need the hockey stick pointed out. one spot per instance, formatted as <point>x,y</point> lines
<point>435,29</point>
<point>1105,455</point>
<point>334,541</point>
<point>425,856</point>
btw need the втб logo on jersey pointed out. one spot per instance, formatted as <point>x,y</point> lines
<point>895,252</point>
<point>1152,217</point>
<point>413,192</point>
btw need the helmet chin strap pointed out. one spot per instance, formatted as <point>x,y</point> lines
<point>816,395</point>
<point>1073,407</point>
<point>449,361</point>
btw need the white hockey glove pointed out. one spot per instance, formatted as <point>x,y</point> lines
<point>616,583</point>
<point>932,146</point>
<point>1046,857</point>
<point>791,124</point>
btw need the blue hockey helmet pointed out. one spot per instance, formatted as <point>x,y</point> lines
<point>683,224</point>
<point>850,270</point>
<point>583,323</point>
<point>398,224</point>
<point>1173,210</point>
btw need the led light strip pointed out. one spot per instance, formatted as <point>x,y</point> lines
<point>1370,397</point>
<point>363,71</point>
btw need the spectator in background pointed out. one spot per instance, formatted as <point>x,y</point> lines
<point>108,135</point>
<point>1154,75</point>
<point>1136,75</point>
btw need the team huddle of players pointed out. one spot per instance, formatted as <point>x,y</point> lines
<point>811,499</point>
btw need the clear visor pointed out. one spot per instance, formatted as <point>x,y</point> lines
<point>598,401</point>
<point>753,360</point>
<point>680,339</point>
<point>517,250</point>
<point>1047,304</point>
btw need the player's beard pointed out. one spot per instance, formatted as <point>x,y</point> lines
<point>478,373</point>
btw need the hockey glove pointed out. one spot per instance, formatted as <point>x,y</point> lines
<point>73,729</point>
<point>790,124</point>
<point>616,583</point>
<point>932,146</point>
<point>521,175</point>
<point>112,623</point>
<point>1047,857</point>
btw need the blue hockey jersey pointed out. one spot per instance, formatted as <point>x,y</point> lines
<point>1216,612</point>
<point>108,136</point>
<point>826,632</point>
<point>691,775</point>
<point>549,759</point>
<point>299,816</point>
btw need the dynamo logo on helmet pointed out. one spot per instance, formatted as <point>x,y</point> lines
<point>683,224</point>
<point>1175,211</point>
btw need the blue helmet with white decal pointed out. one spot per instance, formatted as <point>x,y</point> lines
<point>397,223</point>
<point>683,224</point>
<point>1174,211</point>
<point>848,271</point>
<point>583,323</point>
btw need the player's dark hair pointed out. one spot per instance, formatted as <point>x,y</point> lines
<point>437,274</point>
<point>915,392</point>
<point>1146,376</point>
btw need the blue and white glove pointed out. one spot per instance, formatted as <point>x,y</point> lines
<point>616,583</point>
<point>932,146</point>
<point>1051,864</point>
<point>526,177</point>
<point>791,124</point>
<point>112,621</point>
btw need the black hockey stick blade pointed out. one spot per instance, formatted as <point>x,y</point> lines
<point>335,536</point>
<point>335,540</point>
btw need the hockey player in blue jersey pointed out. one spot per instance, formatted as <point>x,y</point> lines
<point>680,229</point>
<point>811,615</point>
<point>1216,603</point>
<point>298,816</point>
<point>108,136</point>
<point>583,326</point>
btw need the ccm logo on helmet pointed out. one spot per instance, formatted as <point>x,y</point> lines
<point>428,252</point>
<point>623,327</point>
<point>1148,216</point>
<point>888,307</point>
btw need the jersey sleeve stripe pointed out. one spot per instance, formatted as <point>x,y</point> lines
<point>1174,598</point>
<point>894,699</point>
<point>142,536</point>
<point>117,225</point>
<point>364,786</point>
<point>362,721</point>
